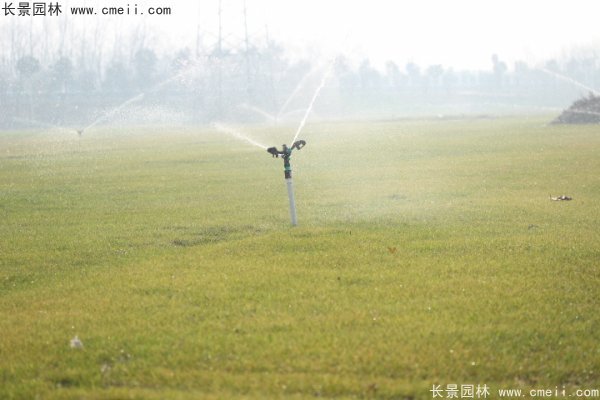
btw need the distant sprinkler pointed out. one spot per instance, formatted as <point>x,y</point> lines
<point>80,132</point>
<point>286,154</point>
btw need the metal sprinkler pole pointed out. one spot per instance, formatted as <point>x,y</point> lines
<point>290,189</point>
<point>286,153</point>
<point>290,184</point>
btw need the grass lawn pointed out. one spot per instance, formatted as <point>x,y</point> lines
<point>427,253</point>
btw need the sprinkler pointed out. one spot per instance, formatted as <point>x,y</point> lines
<point>286,153</point>
<point>80,132</point>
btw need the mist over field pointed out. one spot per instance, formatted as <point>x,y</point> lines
<point>233,60</point>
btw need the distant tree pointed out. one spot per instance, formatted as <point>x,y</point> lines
<point>414,74</point>
<point>468,79</point>
<point>499,69</point>
<point>450,80</point>
<point>582,69</point>
<point>59,82</point>
<point>117,78</point>
<point>522,78</point>
<point>395,78</point>
<point>269,69</point>
<point>369,77</point>
<point>85,80</point>
<point>552,65</point>
<point>434,74</point>
<point>61,73</point>
<point>347,80</point>
<point>27,66</point>
<point>144,63</point>
<point>521,67</point>
<point>4,98</point>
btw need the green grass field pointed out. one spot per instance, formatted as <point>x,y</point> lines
<point>428,253</point>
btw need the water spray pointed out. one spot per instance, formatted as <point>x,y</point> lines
<point>570,80</point>
<point>314,98</point>
<point>237,134</point>
<point>108,114</point>
<point>286,154</point>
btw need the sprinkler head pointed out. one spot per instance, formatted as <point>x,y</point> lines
<point>286,154</point>
<point>299,144</point>
<point>79,132</point>
<point>286,151</point>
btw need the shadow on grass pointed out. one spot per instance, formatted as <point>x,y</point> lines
<point>215,234</point>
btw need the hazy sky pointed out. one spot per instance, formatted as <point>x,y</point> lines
<point>462,33</point>
<point>458,33</point>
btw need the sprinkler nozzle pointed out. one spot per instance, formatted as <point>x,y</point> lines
<point>299,144</point>
<point>286,151</point>
<point>286,154</point>
<point>79,132</point>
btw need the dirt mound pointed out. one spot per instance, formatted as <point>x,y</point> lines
<point>583,111</point>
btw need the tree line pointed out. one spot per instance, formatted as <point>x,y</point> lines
<point>204,83</point>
